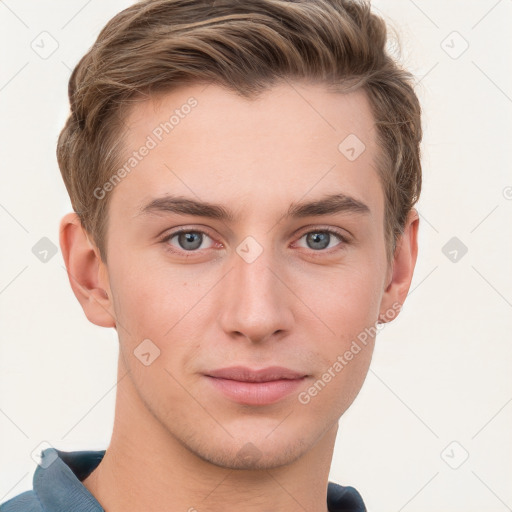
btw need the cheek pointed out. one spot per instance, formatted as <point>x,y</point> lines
<point>348,307</point>
<point>145,290</point>
<point>334,389</point>
<point>141,298</point>
<point>345,356</point>
<point>156,301</point>
<point>345,300</point>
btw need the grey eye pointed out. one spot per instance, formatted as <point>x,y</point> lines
<point>318,240</point>
<point>189,240</point>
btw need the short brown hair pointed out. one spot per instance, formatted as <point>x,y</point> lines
<point>247,46</point>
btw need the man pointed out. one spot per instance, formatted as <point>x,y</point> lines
<point>243,176</point>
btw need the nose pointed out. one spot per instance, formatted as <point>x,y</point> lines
<point>255,303</point>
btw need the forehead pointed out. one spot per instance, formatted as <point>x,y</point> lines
<point>206,141</point>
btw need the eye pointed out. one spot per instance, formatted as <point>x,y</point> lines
<point>188,240</point>
<point>322,239</point>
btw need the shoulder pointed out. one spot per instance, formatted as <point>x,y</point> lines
<point>342,498</point>
<point>25,502</point>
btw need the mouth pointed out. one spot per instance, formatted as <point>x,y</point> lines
<point>255,387</point>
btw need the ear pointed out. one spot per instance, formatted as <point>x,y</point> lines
<point>86,272</point>
<point>400,274</point>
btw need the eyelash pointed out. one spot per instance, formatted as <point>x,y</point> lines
<point>344,241</point>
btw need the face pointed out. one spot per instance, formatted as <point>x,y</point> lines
<point>246,236</point>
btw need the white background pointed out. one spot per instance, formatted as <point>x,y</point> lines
<point>440,373</point>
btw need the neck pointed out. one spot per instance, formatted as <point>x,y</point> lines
<point>147,468</point>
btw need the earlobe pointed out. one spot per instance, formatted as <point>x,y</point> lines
<point>404,261</point>
<point>86,272</point>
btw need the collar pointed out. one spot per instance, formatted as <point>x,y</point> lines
<point>57,483</point>
<point>57,480</point>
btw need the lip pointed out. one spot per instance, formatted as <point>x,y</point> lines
<point>255,387</point>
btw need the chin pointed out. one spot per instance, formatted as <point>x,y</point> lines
<point>244,454</point>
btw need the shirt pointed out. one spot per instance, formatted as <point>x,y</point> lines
<point>57,487</point>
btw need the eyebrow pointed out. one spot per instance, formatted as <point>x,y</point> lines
<point>328,205</point>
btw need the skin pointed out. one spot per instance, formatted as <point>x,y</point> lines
<point>176,440</point>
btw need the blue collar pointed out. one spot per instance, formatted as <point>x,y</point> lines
<point>58,479</point>
<point>57,485</point>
